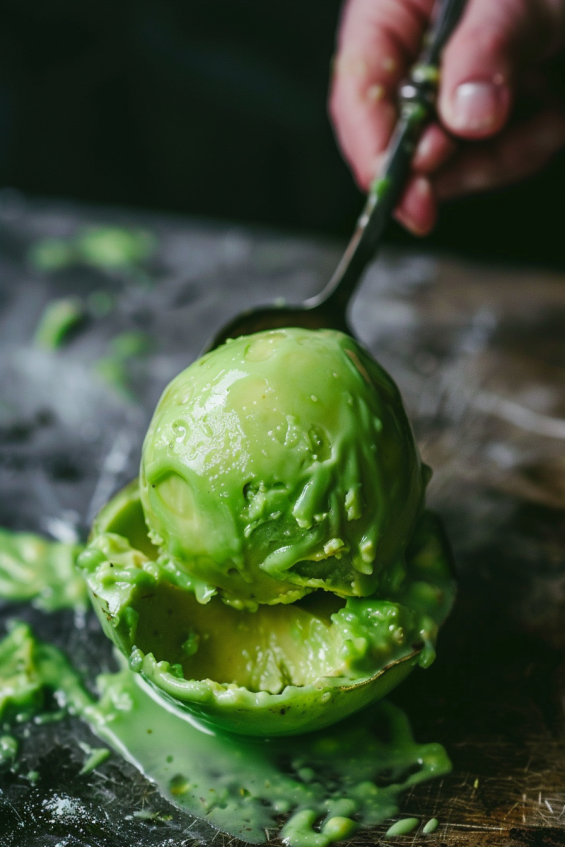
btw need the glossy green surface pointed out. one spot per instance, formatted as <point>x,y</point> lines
<point>280,463</point>
<point>283,669</point>
<point>28,669</point>
<point>327,784</point>
<point>41,571</point>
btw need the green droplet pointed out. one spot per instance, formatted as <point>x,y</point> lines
<point>338,828</point>
<point>8,749</point>
<point>95,756</point>
<point>402,827</point>
<point>431,826</point>
<point>59,318</point>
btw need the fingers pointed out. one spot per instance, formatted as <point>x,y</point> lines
<point>434,149</point>
<point>484,66</point>
<point>515,154</point>
<point>483,60</point>
<point>378,41</point>
<point>518,152</point>
<point>417,210</point>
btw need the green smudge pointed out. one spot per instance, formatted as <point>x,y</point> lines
<point>403,827</point>
<point>95,756</point>
<point>329,782</point>
<point>431,826</point>
<point>379,187</point>
<point>29,670</point>
<point>114,248</point>
<point>107,248</point>
<point>426,73</point>
<point>43,572</point>
<point>58,321</point>
<point>8,748</point>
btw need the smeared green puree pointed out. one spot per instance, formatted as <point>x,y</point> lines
<point>40,571</point>
<point>329,783</point>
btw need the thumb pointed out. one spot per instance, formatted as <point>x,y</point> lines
<point>483,60</point>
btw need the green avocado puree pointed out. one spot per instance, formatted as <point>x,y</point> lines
<point>273,572</point>
<point>280,463</point>
<point>279,670</point>
<point>41,571</point>
<point>326,784</point>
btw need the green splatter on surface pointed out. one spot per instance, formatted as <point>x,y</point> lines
<point>94,756</point>
<point>329,782</point>
<point>403,827</point>
<point>114,248</point>
<point>59,319</point>
<point>431,826</point>
<point>30,669</point>
<point>43,572</point>
<point>107,248</point>
<point>8,749</point>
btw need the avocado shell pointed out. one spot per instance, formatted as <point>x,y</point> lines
<point>297,708</point>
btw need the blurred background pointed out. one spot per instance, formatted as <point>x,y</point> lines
<point>214,108</point>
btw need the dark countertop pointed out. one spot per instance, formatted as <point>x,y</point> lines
<point>479,354</point>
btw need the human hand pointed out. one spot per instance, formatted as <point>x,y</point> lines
<point>498,120</point>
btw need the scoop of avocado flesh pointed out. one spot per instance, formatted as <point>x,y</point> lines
<point>274,569</point>
<point>283,669</point>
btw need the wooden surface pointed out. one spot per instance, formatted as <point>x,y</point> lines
<point>479,354</point>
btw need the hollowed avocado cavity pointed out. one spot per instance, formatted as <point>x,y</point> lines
<point>264,650</point>
<point>281,669</point>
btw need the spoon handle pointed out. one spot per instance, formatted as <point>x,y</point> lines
<point>417,99</point>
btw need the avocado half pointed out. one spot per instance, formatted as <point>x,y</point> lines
<point>280,670</point>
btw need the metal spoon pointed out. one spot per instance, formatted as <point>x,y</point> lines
<point>417,99</point>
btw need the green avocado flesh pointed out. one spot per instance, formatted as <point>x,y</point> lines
<point>282,669</point>
<point>274,569</point>
<point>280,463</point>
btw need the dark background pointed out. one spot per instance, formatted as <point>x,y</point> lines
<point>214,108</point>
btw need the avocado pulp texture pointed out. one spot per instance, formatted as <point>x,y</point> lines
<point>306,662</point>
<point>281,463</point>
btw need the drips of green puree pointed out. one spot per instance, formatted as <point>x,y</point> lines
<point>328,783</point>
<point>289,577</point>
<point>282,669</point>
<point>275,569</point>
<point>279,463</point>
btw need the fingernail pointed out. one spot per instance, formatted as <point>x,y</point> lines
<point>478,105</point>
